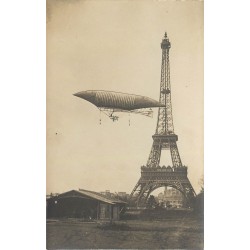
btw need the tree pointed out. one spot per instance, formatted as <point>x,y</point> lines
<point>199,199</point>
<point>151,202</point>
<point>201,183</point>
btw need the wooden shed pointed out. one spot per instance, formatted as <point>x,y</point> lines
<point>84,204</point>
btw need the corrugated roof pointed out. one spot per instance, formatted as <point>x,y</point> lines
<point>82,194</point>
<point>95,196</point>
<point>90,194</point>
<point>100,196</point>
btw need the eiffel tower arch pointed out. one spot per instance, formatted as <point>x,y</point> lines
<point>153,175</point>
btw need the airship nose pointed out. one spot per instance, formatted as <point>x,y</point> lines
<point>86,95</point>
<point>77,94</point>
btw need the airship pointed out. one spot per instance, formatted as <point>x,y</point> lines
<point>111,102</point>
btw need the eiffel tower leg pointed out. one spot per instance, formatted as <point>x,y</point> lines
<point>146,190</point>
<point>176,159</point>
<point>148,193</point>
<point>154,156</point>
<point>143,196</point>
<point>137,193</point>
<point>189,193</point>
<point>136,189</point>
<point>187,190</point>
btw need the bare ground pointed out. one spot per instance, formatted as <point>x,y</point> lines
<point>182,233</point>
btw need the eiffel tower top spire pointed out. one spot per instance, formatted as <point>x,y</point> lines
<point>165,42</point>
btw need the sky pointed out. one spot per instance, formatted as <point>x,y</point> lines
<point>115,45</point>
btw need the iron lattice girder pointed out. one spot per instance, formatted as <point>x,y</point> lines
<point>165,117</point>
<point>164,142</point>
<point>176,159</point>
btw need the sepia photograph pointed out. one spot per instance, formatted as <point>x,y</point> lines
<point>124,124</point>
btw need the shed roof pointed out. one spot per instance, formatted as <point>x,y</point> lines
<point>100,196</point>
<point>90,194</point>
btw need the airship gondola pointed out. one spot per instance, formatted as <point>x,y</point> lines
<point>110,102</point>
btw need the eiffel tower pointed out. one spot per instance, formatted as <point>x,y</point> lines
<point>154,176</point>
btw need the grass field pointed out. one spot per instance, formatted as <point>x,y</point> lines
<point>177,233</point>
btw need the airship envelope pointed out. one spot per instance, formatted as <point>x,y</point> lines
<point>117,100</point>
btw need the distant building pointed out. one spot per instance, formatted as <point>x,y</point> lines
<point>122,194</point>
<point>107,193</point>
<point>119,195</point>
<point>84,204</point>
<point>51,195</point>
<point>171,198</point>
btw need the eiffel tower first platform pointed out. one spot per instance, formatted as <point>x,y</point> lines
<point>154,176</point>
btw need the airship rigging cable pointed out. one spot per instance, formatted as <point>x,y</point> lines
<point>100,117</point>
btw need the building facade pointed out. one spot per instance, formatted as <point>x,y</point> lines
<point>171,198</point>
